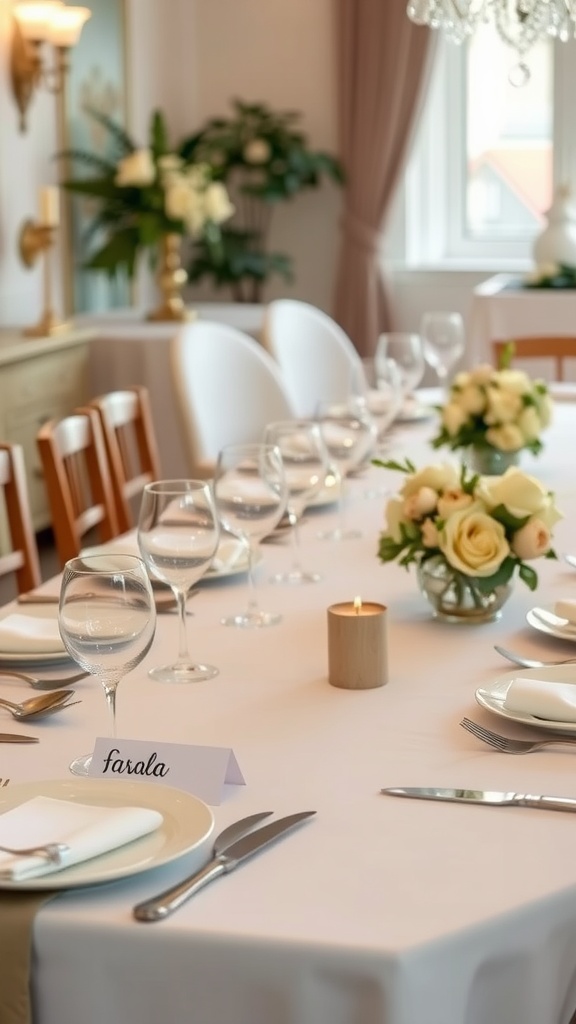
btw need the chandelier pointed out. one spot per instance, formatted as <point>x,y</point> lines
<point>519,23</point>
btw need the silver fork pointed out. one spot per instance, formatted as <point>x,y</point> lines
<point>53,683</point>
<point>54,852</point>
<point>506,745</point>
<point>519,659</point>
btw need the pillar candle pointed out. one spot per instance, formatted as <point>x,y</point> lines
<point>357,645</point>
<point>49,206</point>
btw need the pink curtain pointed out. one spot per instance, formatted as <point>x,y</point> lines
<point>383,62</point>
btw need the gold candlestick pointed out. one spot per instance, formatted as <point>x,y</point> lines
<point>38,239</point>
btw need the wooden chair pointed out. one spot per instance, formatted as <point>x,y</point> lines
<point>131,447</point>
<point>77,480</point>
<point>556,348</point>
<point>23,560</point>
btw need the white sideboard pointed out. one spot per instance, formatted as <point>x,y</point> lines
<point>40,378</point>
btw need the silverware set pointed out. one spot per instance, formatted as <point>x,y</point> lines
<point>507,745</point>
<point>519,659</point>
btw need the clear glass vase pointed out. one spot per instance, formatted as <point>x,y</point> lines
<point>455,597</point>
<point>489,461</point>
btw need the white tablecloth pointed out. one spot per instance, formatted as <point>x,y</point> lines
<point>501,309</point>
<point>127,349</point>
<point>379,910</point>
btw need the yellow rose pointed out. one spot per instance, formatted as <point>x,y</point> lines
<point>461,380</point>
<point>453,417</point>
<point>502,406</point>
<point>473,542</point>
<point>439,476</point>
<point>482,374</point>
<point>521,494</point>
<point>508,437</point>
<point>472,399</point>
<point>136,169</point>
<point>514,380</point>
<point>529,423</point>
<point>532,540</point>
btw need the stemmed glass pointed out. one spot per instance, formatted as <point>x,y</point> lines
<point>444,341</point>
<point>349,433</point>
<point>407,351</point>
<point>107,620</point>
<point>178,535</point>
<point>250,492</point>
<point>305,461</point>
<point>385,400</point>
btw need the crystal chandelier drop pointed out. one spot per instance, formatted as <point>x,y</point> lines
<point>519,23</point>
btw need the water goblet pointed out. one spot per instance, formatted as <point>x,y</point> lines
<point>178,535</point>
<point>407,351</point>
<point>250,492</point>
<point>107,620</point>
<point>444,341</point>
<point>305,461</point>
<point>385,400</point>
<point>349,433</point>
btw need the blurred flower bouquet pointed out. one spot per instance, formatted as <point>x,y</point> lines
<point>494,409</point>
<point>468,535</point>
<point>143,195</point>
<point>551,275</point>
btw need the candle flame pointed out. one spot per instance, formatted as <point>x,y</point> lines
<point>357,604</point>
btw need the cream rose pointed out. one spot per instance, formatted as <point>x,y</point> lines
<point>532,540</point>
<point>502,406</point>
<point>453,417</point>
<point>544,406</point>
<point>453,501</point>
<point>136,169</point>
<point>521,494</point>
<point>421,503</point>
<point>508,437</point>
<point>482,374</point>
<point>439,476</point>
<point>394,516</point>
<point>472,399</point>
<point>514,380</point>
<point>461,380</point>
<point>217,204</point>
<point>529,423</point>
<point>474,543</point>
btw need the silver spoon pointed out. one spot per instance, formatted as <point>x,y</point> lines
<point>49,683</point>
<point>519,659</point>
<point>34,707</point>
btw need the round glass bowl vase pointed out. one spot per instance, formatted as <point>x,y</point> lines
<point>490,461</point>
<point>455,597</point>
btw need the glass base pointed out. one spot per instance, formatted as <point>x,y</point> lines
<point>339,534</point>
<point>81,765</point>
<point>296,576</point>
<point>191,673</point>
<point>252,620</point>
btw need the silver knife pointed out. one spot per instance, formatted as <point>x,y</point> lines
<point>492,798</point>
<point>227,856</point>
<point>13,737</point>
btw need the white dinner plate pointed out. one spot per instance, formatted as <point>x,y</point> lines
<point>413,411</point>
<point>492,697</point>
<point>187,823</point>
<point>544,619</point>
<point>37,657</point>
<point>128,545</point>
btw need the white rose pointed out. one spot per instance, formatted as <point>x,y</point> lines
<point>502,406</point>
<point>394,516</point>
<point>217,203</point>
<point>521,494</point>
<point>473,542</point>
<point>136,169</point>
<point>453,501</point>
<point>532,540</point>
<point>430,534</point>
<point>257,151</point>
<point>508,437</point>
<point>472,399</point>
<point>529,423</point>
<point>440,477</point>
<point>421,503</point>
<point>482,374</point>
<point>453,417</point>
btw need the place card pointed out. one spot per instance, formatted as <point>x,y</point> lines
<point>202,771</point>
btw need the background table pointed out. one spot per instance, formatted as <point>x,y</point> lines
<point>502,309</point>
<point>379,910</point>
<point>127,349</point>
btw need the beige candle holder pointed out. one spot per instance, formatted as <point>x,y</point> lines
<point>357,645</point>
<point>38,240</point>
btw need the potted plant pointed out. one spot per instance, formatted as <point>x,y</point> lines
<point>264,159</point>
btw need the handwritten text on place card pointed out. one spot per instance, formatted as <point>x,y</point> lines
<point>202,771</point>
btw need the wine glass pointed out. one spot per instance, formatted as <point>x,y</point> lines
<point>107,620</point>
<point>385,400</point>
<point>178,535</point>
<point>305,461</point>
<point>349,433</point>
<point>444,341</point>
<point>250,492</point>
<point>407,351</point>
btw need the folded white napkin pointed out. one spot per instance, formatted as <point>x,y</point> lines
<point>230,552</point>
<point>26,634</point>
<point>555,702</point>
<point>88,831</point>
<point>566,609</point>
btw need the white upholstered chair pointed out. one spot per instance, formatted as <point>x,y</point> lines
<point>316,357</point>
<point>227,390</point>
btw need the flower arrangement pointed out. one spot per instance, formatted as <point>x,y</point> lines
<point>263,158</point>
<point>483,529</point>
<point>551,275</point>
<point>501,409</point>
<point>145,194</point>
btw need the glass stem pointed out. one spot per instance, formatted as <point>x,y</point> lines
<point>110,686</point>
<point>295,520</point>
<point>183,655</point>
<point>253,608</point>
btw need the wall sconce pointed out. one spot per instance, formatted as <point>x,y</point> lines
<point>35,23</point>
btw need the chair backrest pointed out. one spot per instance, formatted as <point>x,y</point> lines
<point>554,347</point>
<point>77,480</point>
<point>227,388</point>
<point>23,559</point>
<point>131,447</point>
<point>317,359</point>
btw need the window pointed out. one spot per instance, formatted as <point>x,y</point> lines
<point>487,153</point>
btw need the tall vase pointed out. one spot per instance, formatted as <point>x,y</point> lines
<point>557,242</point>
<point>171,279</point>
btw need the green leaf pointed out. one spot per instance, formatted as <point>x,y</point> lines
<point>509,522</point>
<point>527,575</point>
<point>158,136</point>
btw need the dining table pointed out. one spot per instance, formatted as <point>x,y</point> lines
<point>376,910</point>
